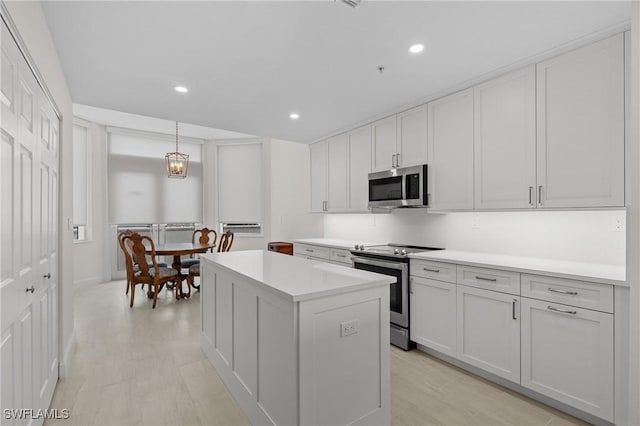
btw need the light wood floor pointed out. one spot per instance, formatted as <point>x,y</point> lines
<point>144,367</point>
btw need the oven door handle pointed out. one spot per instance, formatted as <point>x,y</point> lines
<point>401,266</point>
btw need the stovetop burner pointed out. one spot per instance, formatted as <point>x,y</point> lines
<point>390,250</point>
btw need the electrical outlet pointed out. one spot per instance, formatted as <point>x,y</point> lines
<point>475,222</point>
<point>618,225</point>
<point>348,328</point>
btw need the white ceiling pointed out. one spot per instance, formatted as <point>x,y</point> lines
<point>249,64</point>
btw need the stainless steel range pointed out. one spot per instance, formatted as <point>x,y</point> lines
<point>393,260</point>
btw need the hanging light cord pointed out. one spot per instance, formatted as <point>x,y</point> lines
<point>176,136</point>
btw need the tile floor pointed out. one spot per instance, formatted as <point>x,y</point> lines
<point>144,367</point>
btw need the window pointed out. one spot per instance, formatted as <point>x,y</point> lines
<point>139,190</point>
<point>81,159</point>
<point>240,184</point>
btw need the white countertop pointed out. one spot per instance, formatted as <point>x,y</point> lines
<point>607,274</point>
<point>341,244</point>
<point>295,278</point>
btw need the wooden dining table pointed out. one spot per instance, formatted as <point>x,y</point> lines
<point>177,250</point>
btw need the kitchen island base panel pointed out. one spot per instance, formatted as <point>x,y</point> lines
<point>319,361</point>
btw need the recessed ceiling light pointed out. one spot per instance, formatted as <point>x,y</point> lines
<point>181,89</point>
<point>416,48</point>
<point>294,116</point>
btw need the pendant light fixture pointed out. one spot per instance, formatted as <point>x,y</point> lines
<point>177,163</point>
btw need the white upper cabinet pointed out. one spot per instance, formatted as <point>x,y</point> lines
<point>383,143</point>
<point>337,174</point>
<point>359,151</point>
<point>412,137</point>
<point>319,155</point>
<point>505,141</point>
<point>580,111</point>
<point>450,152</point>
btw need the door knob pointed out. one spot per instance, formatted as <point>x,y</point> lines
<point>47,275</point>
<point>32,289</point>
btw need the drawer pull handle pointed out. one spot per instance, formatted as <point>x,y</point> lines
<point>431,270</point>
<point>564,311</point>
<point>309,250</point>
<point>486,279</point>
<point>570,293</point>
<point>341,255</point>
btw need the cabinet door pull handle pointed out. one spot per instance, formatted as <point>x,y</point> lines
<point>531,195</point>
<point>513,309</point>
<point>540,194</point>
<point>564,311</point>
<point>431,270</point>
<point>341,255</point>
<point>486,279</point>
<point>47,275</point>
<point>397,159</point>
<point>570,293</point>
<point>31,290</point>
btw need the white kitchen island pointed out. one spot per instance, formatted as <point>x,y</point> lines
<point>297,341</point>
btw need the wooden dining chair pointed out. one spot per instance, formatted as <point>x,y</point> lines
<point>203,237</point>
<point>155,276</point>
<point>226,240</point>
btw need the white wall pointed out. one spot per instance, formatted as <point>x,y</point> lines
<point>290,184</point>
<point>285,194</point>
<point>90,260</point>
<point>586,236</point>
<point>633,215</point>
<point>32,26</point>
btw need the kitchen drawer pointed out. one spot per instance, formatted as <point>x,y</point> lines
<point>582,294</point>
<point>490,279</point>
<point>434,270</point>
<point>341,256</point>
<point>318,252</point>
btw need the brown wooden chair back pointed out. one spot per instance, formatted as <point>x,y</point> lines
<point>128,261</point>
<point>226,241</point>
<point>204,237</point>
<point>139,256</point>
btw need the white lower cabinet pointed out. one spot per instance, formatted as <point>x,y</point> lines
<point>433,314</point>
<point>567,354</point>
<point>488,331</point>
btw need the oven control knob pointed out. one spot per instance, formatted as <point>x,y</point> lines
<point>356,247</point>
<point>403,252</point>
<point>361,247</point>
<point>396,251</point>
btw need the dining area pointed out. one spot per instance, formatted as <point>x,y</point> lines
<point>144,265</point>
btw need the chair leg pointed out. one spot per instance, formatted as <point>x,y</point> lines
<point>155,294</point>
<point>189,284</point>
<point>133,293</point>
<point>128,285</point>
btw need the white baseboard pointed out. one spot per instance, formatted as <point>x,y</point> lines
<point>87,282</point>
<point>67,357</point>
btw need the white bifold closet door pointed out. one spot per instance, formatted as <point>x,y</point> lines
<point>29,141</point>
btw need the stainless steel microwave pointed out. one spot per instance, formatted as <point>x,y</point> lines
<point>399,187</point>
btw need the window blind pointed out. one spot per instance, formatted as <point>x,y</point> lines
<point>139,189</point>
<point>240,182</point>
